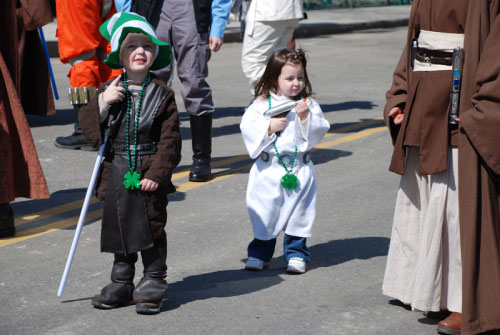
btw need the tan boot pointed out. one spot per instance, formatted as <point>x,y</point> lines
<point>451,325</point>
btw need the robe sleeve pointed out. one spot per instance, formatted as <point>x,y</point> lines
<point>481,123</point>
<point>89,119</point>
<point>254,126</point>
<point>311,132</point>
<point>396,95</point>
<point>168,153</point>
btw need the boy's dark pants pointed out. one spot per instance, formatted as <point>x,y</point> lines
<point>150,289</point>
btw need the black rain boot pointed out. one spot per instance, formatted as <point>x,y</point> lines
<point>201,134</point>
<point>76,140</point>
<point>7,227</point>
<point>119,292</point>
<point>148,294</point>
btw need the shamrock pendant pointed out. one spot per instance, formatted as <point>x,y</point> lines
<point>132,180</point>
<point>289,181</point>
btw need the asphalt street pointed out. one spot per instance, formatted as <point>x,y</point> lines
<point>208,226</point>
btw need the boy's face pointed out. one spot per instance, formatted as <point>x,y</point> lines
<point>137,53</point>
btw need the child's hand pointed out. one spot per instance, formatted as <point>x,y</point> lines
<point>397,114</point>
<point>302,110</point>
<point>276,124</point>
<point>113,92</point>
<point>148,185</point>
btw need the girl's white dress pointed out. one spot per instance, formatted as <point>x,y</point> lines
<point>272,208</point>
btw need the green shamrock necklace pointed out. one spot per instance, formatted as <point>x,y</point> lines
<point>289,180</point>
<point>132,179</point>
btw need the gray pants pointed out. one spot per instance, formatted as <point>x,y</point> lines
<point>177,26</point>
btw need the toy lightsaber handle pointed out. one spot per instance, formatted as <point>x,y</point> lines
<point>455,85</point>
<point>81,220</point>
<point>280,108</point>
<point>51,73</point>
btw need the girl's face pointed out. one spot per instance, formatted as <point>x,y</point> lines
<point>137,54</point>
<point>291,80</point>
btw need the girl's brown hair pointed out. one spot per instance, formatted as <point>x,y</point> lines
<point>269,80</point>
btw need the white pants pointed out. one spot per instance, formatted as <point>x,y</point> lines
<point>424,267</point>
<point>260,41</point>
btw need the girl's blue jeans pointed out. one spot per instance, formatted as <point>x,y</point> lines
<point>293,246</point>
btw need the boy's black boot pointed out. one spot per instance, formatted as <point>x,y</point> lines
<point>148,294</point>
<point>201,139</point>
<point>119,292</point>
<point>7,227</point>
<point>75,140</point>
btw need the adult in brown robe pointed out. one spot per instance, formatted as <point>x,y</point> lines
<point>423,265</point>
<point>479,162</point>
<point>24,88</point>
<point>479,169</point>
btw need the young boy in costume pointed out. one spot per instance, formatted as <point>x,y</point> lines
<point>139,114</point>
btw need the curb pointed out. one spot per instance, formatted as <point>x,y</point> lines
<point>232,34</point>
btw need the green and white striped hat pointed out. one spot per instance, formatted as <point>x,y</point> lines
<point>116,29</point>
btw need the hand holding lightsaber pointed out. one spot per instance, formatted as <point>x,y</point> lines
<point>287,106</point>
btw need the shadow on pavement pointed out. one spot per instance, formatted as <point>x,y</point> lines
<point>319,156</point>
<point>230,283</point>
<point>61,118</point>
<point>58,198</point>
<point>347,105</point>
<point>238,112</point>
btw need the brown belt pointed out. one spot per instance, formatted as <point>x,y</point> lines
<point>434,57</point>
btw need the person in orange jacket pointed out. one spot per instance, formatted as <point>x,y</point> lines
<point>81,45</point>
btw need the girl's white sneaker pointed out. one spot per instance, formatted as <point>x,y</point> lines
<point>296,265</point>
<point>256,264</point>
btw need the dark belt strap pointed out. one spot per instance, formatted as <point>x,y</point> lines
<point>142,149</point>
<point>306,157</point>
<point>434,56</point>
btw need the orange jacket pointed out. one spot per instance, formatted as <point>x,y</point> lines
<point>80,42</point>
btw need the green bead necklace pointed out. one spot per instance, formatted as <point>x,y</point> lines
<point>132,179</point>
<point>289,180</point>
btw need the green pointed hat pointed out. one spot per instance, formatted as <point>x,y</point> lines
<point>116,29</point>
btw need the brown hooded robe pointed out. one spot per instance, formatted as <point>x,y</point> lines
<point>479,169</point>
<point>24,88</point>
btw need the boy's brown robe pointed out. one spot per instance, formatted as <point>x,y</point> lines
<point>24,88</point>
<point>479,169</point>
<point>157,167</point>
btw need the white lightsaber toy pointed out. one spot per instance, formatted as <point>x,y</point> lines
<point>287,106</point>
<point>81,220</point>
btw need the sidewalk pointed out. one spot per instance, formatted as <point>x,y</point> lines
<point>319,22</point>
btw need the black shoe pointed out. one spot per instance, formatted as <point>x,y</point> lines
<point>99,303</point>
<point>75,141</point>
<point>200,171</point>
<point>148,308</point>
<point>7,227</point>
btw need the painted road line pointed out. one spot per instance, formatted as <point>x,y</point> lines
<point>45,229</point>
<point>54,211</point>
<point>353,127</point>
<point>349,138</point>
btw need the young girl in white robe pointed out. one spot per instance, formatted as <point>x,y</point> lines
<point>281,192</point>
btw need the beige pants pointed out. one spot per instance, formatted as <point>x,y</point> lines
<point>424,267</point>
<point>260,41</point>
